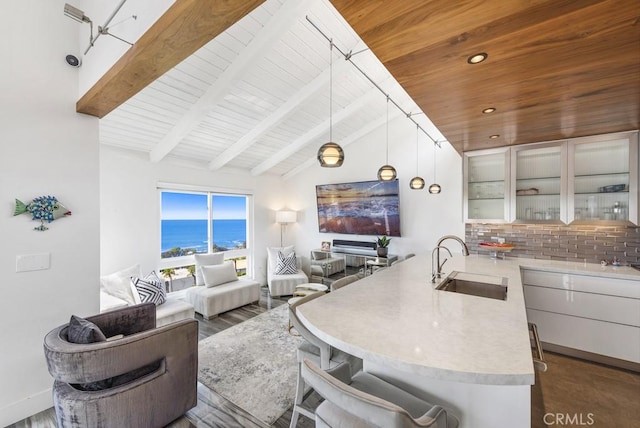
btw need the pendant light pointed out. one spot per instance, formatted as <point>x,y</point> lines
<point>387,172</point>
<point>417,183</point>
<point>435,187</point>
<point>330,155</point>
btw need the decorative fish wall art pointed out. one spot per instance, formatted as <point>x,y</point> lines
<point>43,208</point>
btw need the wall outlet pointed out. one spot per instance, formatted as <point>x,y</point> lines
<point>500,240</point>
<point>31,262</point>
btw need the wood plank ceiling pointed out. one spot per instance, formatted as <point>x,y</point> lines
<point>256,98</point>
<point>555,68</point>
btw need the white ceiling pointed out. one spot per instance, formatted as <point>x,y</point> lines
<point>256,98</point>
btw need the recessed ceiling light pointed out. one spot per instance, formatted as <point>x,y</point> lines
<point>489,110</point>
<point>494,136</point>
<point>477,58</point>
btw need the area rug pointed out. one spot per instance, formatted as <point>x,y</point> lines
<point>253,364</point>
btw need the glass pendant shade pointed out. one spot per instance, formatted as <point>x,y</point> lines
<point>330,155</point>
<point>416,183</point>
<point>387,173</point>
<point>435,187</point>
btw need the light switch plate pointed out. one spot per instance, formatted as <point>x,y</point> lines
<point>31,262</point>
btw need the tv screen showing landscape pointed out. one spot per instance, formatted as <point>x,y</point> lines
<point>361,208</point>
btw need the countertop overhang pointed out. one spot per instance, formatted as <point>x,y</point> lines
<point>398,319</point>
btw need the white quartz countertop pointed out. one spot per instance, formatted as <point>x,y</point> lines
<point>398,319</point>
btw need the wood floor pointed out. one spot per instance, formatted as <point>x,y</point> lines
<point>570,389</point>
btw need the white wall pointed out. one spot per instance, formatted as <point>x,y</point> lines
<point>45,148</point>
<point>130,206</point>
<point>423,217</point>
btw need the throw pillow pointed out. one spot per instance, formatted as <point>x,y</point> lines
<point>286,264</point>
<point>150,288</point>
<point>206,260</point>
<point>84,332</point>
<point>272,255</point>
<point>219,274</point>
<point>118,284</point>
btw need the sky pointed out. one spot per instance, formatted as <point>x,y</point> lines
<point>191,206</point>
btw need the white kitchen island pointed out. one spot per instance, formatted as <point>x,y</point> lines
<point>471,354</point>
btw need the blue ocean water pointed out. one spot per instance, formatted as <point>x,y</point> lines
<point>193,234</point>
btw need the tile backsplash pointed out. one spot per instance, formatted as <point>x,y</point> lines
<point>583,243</point>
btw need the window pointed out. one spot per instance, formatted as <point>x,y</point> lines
<point>201,222</point>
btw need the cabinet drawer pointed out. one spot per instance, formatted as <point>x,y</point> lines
<point>586,283</point>
<point>622,310</point>
<point>613,340</point>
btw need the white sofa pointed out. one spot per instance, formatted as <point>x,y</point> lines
<point>117,290</point>
<point>174,309</point>
<point>211,301</point>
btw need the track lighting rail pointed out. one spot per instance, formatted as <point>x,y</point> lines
<point>348,57</point>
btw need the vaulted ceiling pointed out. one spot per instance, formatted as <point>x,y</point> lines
<point>256,97</point>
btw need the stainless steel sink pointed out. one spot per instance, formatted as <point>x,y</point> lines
<point>493,287</point>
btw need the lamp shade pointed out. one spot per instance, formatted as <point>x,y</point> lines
<point>330,155</point>
<point>286,217</point>
<point>416,183</point>
<point>387,173</point>
<point>435,188</point>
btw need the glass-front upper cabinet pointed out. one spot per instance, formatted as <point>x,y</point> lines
<point>486,185</point>
<point>539,183</point>
<point>603,178</point>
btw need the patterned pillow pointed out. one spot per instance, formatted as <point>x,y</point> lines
<point>286,265</point>
<point>150,288</point>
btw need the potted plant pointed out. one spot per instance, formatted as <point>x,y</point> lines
<point>383,243</point>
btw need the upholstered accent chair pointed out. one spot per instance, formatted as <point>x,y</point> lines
<point>146,378</point>
<point>316,350</point>
<point>327,263</point>
<point>365,400</point>
<point>283,284</point>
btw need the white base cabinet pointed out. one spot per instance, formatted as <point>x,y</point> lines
<point>600,315</point>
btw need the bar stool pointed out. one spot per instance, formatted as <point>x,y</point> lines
<point>316,350</point>
<point>366,400</point>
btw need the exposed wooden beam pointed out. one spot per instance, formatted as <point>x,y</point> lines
<point>315,132</point>
<point>277,116</point>
<point>261,44</point>
<point>183,29</point>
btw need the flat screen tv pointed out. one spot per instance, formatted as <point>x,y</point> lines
<point>361,208</point>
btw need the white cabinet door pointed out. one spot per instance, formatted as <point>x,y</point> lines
<point>603,178</point>
<point>589,313</point>
<point>539,183</point>
<point>603,338</point>
<point>486,186</point>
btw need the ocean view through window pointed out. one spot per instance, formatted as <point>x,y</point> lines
<point>203,222</point>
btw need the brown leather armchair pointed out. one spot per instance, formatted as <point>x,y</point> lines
<point>151,372</point>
